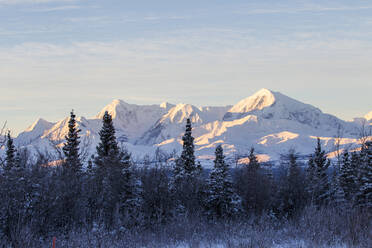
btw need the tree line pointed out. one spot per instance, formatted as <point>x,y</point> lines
<point>114,193</point>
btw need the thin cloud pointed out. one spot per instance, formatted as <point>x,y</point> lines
<point>23,32</point>
<point>58,8</point>
<point>13,2</point>
<point>302,9</point>
<point>87,19</point>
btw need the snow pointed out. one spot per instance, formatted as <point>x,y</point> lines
<point>368,116</point>
<point>263,98</point>
<point>270,121</point>
<point>277,138</point>
<point>238,242</point>
<point>133,120</point>
<point>33,132</point>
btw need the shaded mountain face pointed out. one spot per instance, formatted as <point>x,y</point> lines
<point>270,121</point>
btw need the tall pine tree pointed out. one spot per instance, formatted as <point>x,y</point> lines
<point>253,185</point>
<point>118,190</point>
<point>71,147</point>
<point>364,195</point>
<point>10,159</point>
<point>185,164</point>
<point>187,185</point>
<point>253,162</point>
<point>292,192</point>
<point>105,193</point>
<point>222,201</point>
<point>319,189</point>
<point>107,149</point>
<point>348,177</point>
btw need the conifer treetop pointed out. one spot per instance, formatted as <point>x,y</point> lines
<point>187,156</point>
<point>10,152</point>
<point>108,144</point>
<point>71,147</point>
<point>253,162</point>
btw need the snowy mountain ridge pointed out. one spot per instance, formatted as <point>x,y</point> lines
<point>270,121</point>
<point>368,116</point>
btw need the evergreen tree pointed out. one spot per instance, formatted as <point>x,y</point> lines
<point>311,178</point>
<point>108,148</point>
<point>222,200</point>
<point>117,190</point>
<point>292,193</point>
<point>130,195</point>
<point>187,156</point>
<point>10,159</point>
<point>187,185</point>
<point>71,147</point>
<point>364,195</point>
<point>317,176</point>
<point>253,186</point>
<point>348,177</point>
<point>337,193</point>
<point>185,165</point>
<point>13,190</point>
<point>105,193</point>
<point>253,161</point>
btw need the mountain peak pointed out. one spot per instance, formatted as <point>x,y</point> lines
<point>33,132</point>
<point>182,111</point>
<point>368,116</point>
<point>39,124</point>
<point>261,99</point>
<point>112,108</point>
<point>264,91</point>
<point>166,105</point>
<point>117,102</point>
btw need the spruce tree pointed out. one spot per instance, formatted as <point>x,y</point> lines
<point>71,147</point>
<point>187,156</point>
<point>185,165</point>
<point>364,195</point>
<point>222,200</point>
<point>187,185</point>
<point>295,182</point>
<point>107,149</point>
<point>253,185</point>
<point>105,193</point>
<point>253,161</point>
<point>117,187</point>
<point>337,193</point>
<point>318,178</point>
<point>311,178</point>
<point>10,159</point>
<point>348,177</point>
<point>291,191</point>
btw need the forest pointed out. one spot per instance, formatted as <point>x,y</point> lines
<point>172,201</point>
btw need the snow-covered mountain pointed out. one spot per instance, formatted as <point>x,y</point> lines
<point>365,120</point>
<point>34,132</point>
<point>368,117</point>
<point>270,121</point>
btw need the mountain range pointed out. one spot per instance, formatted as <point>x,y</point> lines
<point>269,121</point>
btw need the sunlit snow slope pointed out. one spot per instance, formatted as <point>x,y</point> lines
<point>270,121</point>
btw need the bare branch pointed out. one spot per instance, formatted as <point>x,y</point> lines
<point>365,133</point>
<point>337,144</point>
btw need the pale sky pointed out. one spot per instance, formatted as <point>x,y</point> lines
<point>56,55</point>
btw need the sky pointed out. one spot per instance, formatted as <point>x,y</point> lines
<point>58,55</point>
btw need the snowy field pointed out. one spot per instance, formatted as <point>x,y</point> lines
<point>314,228</point>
